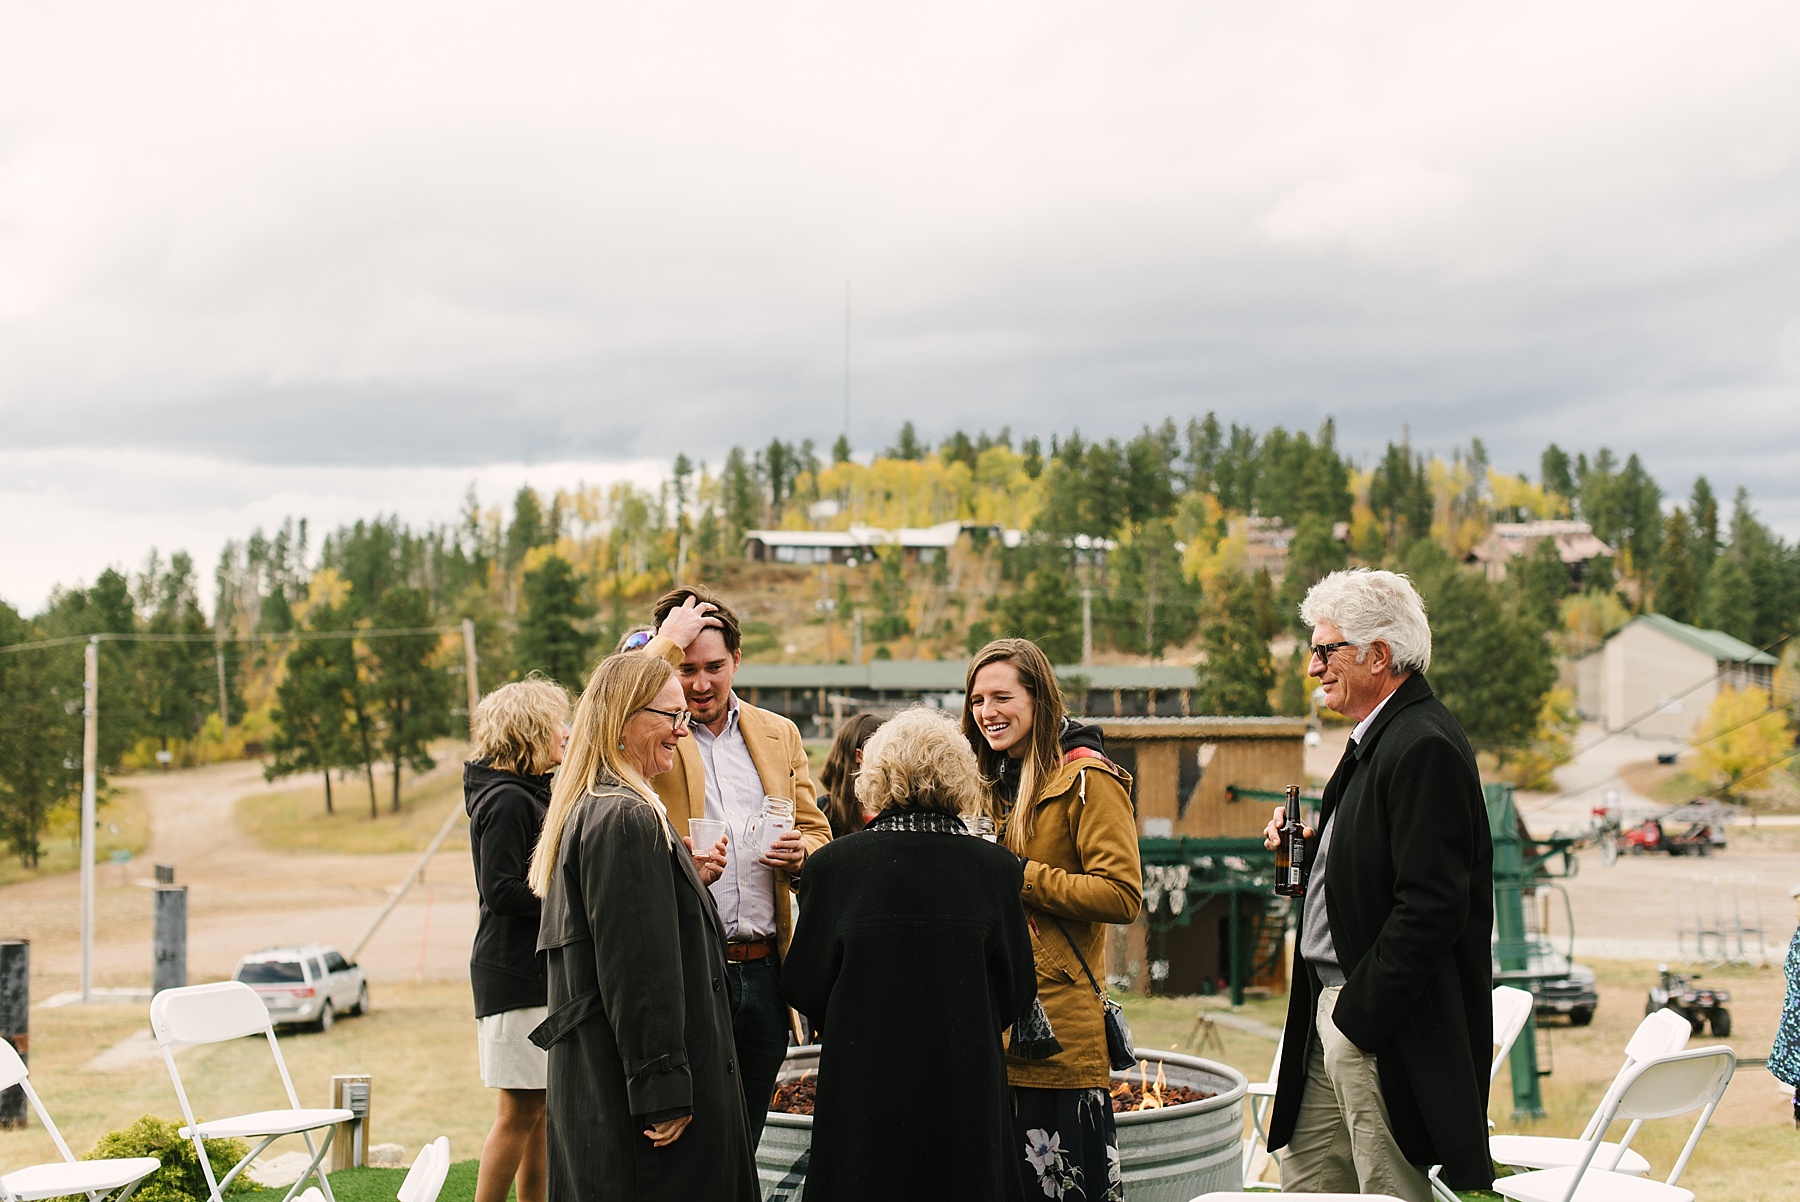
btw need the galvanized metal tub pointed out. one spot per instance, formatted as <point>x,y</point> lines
<point>1168,1155</point>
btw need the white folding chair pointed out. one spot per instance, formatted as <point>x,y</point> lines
<point>424,1181</point>
<point>71,1176</point>
<point>1512,1010</point>
<point>1679,1083</point>
<point>1262,1098</point>
<point>1660,1034</point>
<point>1300,1197</point>
<point>231,1010</point>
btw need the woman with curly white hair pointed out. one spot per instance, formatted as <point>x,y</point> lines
<point>912,952</point>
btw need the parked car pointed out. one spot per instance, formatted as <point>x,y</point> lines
<point>1558,986</point>
<point>1702,1007</point>
<point>311,984</point>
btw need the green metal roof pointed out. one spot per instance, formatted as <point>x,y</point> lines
<point>1716,643</point>
<point>943,676</point>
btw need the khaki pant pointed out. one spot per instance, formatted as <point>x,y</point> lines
<point>1342,1142</point>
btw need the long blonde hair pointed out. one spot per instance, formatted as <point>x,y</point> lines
<point>620,687</point>
<point>1043,751</point>
<point>516,727</point>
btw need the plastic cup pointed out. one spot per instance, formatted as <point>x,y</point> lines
<point>705,833</point>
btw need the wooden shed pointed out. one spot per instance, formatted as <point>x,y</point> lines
<point>1201,786</point>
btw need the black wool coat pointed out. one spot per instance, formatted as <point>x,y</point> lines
<point>912,952</point>
<point>1409,894</point>
<point>506,815</point>
<point>640,1025</point>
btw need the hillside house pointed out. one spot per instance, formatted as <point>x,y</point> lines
<point>1669,670</point>
<point>1576,545</point>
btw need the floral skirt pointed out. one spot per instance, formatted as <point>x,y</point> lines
<point>1070,1146</point>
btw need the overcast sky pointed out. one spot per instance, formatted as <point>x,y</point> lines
<point>330,259</point>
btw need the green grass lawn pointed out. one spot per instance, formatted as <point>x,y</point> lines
<point>381,1185</point>
<point>295,820</point>
<point>124,827</point>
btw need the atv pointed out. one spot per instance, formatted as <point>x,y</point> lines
<point>1701,1007</point>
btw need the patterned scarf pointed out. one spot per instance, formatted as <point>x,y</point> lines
<point>935,821</point>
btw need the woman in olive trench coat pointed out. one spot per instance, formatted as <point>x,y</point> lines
<point>644,1101</point>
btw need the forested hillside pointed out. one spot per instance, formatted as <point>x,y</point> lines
<point>342,651</point>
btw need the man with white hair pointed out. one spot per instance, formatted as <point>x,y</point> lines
<point>1390,1021</point>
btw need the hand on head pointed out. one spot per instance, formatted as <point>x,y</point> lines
<point>687,620</point>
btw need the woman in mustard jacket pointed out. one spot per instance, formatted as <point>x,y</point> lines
<point>1065,810</point>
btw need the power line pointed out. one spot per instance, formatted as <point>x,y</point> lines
<point>296,635</point>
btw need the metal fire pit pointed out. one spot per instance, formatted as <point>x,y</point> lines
<point>1168,1155</point>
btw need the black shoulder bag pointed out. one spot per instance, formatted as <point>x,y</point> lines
<point>1120,1053</point>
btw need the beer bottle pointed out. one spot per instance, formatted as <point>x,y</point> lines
<point>1290,853</point>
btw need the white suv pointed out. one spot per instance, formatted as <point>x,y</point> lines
<point>310,984</point>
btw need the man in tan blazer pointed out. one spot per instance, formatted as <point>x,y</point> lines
<point>739,755</point>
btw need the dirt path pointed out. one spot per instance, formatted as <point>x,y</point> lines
<point>242,897</point>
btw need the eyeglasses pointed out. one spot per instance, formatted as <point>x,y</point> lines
<point>1323,653</point>
<point>637,639</point>
<point>678,719</point>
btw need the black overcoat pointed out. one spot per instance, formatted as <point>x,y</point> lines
<point>1410,898</point>
<point>640,1025</point>
<point>912,952</point>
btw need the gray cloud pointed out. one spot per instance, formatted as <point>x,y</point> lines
<point>602,233</point>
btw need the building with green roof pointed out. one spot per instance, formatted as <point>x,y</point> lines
<point>1658,677</point>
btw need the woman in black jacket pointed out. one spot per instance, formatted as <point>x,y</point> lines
<point>520,731</point>
<point>913,953</point>
<point>644,1095</point>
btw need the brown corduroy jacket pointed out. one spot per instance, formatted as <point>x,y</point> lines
<point>1081,872</point>
<point>780,759</point>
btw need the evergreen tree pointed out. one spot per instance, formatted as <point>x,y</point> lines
<point>1703,511</point>
<point>840,450</point>
<point>1313,555</point>
<point>1400,495</point>
<point>1294,696</point>
<point>550,637</point>
<point>311,713</point>
<point>743,508</point>
<point>1553,472</point>
<point>179,679</point>
<point>40,733</point>
<point>412,690</point>
<point>1237,673</point>
<point>1048,612</point>
<point>908,446</point>
<point>529,527</point>
<point>1728,603</point>
<point>1677,580</point>
<point>1541,581</point>
<point>1489,665</point>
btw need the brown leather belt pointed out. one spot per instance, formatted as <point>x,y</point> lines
<point>741,952</point>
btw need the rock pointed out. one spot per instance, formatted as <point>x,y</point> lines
<point>387,1156</point>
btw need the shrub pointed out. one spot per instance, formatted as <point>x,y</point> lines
<point>180,1178</point>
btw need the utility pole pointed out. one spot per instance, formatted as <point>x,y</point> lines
<point>1087,626</point>
<point>90,773</point>
<point>224,705</point>
<point>469,661</point>
<point>846,360</point>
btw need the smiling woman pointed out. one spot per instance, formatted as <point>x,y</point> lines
<point>643,1094</point>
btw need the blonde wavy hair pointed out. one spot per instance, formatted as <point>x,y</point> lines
<point>517,726</point>
<point>918,759</point>
<point>620,687</point>
<point>1043,747</point>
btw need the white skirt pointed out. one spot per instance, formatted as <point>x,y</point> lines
<point>509,1060</point>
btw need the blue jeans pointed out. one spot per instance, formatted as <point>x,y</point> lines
<point>759,1021</point>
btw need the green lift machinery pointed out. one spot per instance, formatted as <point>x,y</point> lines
<point>1243,872</point>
